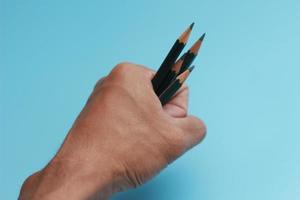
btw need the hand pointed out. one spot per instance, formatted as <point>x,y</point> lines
<point>122,138</point>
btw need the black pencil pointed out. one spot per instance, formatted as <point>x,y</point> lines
<point>173,72</point>
<point>191,54</point>
<point>171,58</point>
<point>174,87</point>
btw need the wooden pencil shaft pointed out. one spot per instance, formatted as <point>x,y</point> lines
<point>171,75</point>
<point>191,54</point>
<point>171,58</point>
<point>167,81</point>
<point>167,64</point>
<point>169,92</point>
<point>189,58</point>
<point>176,67</point>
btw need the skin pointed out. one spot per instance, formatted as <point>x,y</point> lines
<point>122,138</point>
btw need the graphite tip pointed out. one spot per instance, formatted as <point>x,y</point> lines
<point>202,37</point>
<point>191,68</point>
<point>186,34</point>
<point>192,25</point>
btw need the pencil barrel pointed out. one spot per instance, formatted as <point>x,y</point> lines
<point>189,58</point>
<point>166,65</point>
<point>168,80</point>
<point>169,92</point>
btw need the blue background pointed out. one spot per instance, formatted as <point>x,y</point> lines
<point>246,88</point>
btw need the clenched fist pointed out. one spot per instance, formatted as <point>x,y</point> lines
<point>122,138</point>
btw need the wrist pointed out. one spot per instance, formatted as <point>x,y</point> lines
<point>69,179</point>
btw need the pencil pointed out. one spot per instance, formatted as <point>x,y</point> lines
<point>171,58</point>
<point>173,72</point>
<point>191,54</point>
<point>174,87</point>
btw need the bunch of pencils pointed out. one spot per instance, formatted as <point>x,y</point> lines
<point>173,72</point>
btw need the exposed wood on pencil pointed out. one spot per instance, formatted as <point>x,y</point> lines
<point>186,34</point>
<point>176,67</point>
<point>171,75</point>
<point>196,46</point>
<point>182,77</point>
<point>191,54</point>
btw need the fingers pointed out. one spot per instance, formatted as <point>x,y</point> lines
<point>194,130</point>
<point>178,105</point>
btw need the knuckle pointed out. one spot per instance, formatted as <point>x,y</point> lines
<point>123,63</point>
<point>121,68</point>
<point>99,82</point>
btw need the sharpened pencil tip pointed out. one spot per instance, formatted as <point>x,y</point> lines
<point>202,37</point>
<point>192,25</point>
<point>191,68</point>
<point>186,34</point>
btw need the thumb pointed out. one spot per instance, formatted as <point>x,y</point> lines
<point>193,128</point>
<point>178,105</point>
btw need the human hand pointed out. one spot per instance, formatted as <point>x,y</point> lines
<point>121,139</point>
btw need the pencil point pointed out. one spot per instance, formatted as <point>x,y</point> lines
<point>192,25</point>
<point>202,37</point>
<point>186,34</point>
<point>195,47</point>
<point>191,68</point>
